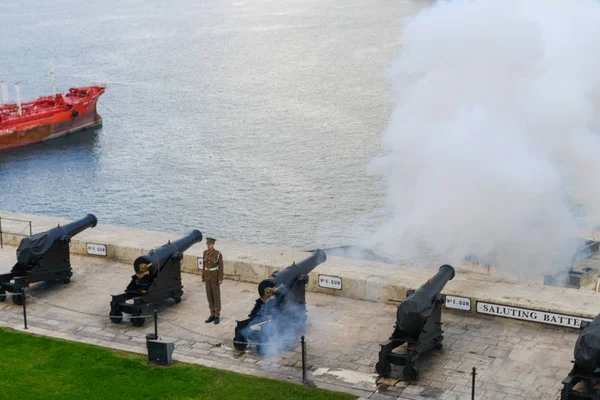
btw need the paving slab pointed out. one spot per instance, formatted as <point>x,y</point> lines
<point>513,359</point>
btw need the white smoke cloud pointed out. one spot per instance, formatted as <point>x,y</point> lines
<point>286,321</point>
<point>493,145</point>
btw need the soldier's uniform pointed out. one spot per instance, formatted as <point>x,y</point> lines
<point>212,273</point>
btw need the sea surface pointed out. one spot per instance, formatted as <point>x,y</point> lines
<point>251,121</point>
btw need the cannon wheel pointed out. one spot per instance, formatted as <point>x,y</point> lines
<point>384,369</point>
<point>116,316</point>
<point>410,373</point>
<point>240,342</point>
<point>17,298</point>
<point>2,294</point>
<point>138,319</point>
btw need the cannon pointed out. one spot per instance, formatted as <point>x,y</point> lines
<point>279,314</point>
<point>41,257</point>
<point>583,381</point>
<point>157,277</point>
<point>418,324</point>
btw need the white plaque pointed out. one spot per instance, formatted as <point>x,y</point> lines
<point>200,261</point>
<point>330,282</point>
<point>525,314</point>
<point>96,249</point>
<point>459,303</point>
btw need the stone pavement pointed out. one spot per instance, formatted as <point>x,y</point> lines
<point>514,360</point>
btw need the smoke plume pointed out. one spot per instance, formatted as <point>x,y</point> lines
<point>493,146</point>
<point>286,321</point>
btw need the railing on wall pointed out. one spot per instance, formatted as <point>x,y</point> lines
<point>14,226</point>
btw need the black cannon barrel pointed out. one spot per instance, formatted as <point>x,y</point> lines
<point>34,246</point>
<point>75,227</point>
<point>413,312</point>
<point>166,251</point>
<point>587,348</point>
<point>71,229</point>
<point>288,275</point>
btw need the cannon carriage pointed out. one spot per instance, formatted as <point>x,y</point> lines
<point>583,381</point>
<point>44,256</point>
<point>418,324</point>
<point>279,314</point>
<point>157,277</point>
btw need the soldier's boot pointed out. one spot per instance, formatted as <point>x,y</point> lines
<point>210,319</point>
<point>217,320</point>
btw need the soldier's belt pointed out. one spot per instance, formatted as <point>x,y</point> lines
<point>212,269</point>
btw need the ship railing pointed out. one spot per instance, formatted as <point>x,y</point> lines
<point>13,227</point>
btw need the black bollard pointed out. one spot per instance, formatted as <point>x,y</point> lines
<point>473,384</point>
<point>24,307</point>
<point>303,359</point>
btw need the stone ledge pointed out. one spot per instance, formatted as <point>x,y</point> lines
<point>363,280</point>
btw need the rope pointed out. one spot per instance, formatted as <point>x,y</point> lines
<point>27,295</point>
<point>189,330</point>
<point>17,234</point>
<point>111,111</point>
<point>69,309</point>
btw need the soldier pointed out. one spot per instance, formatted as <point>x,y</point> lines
<point>212,276</point>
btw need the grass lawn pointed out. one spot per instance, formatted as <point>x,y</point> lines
<point>43,368</point>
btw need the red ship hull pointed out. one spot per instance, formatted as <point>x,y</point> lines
<point>49,117</point>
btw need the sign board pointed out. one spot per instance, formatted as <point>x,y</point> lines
<point>96,249</point>
<point>525,314</point>
<point>458,303</point>
<point>200,261</point>
<point>330,282</point>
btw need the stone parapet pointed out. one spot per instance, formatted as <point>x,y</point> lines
<point>363,280</point>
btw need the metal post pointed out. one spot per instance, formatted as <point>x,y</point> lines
<point>473,384</point>
<point>53,79</point>
<point>303,359</point>
<point>1,242</point>
<point>156,324</point>
<point>30,233</point>
<point>24,307</point>
<point>4,92</point>
<point>18,91</point>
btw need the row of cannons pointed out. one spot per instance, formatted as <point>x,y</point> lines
<point>46,256</point>
<point>280,310</point>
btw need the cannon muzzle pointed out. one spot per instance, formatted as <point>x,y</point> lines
<point>414,311</point>
<point>157,258</point>
<point>288,276</point>
<point>587,348</point>
<point>35,246</point>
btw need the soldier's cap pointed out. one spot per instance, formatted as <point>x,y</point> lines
<point>210,240</point>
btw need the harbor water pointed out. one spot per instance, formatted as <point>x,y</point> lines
<point>250,121</point>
